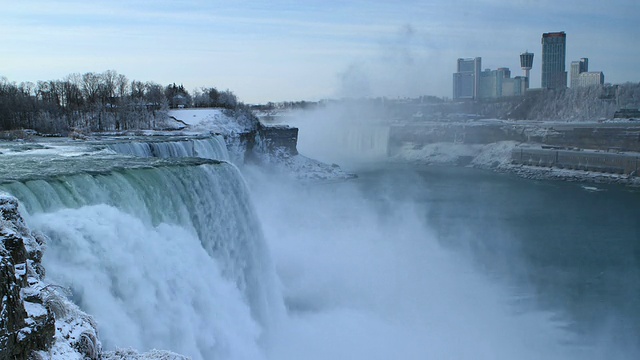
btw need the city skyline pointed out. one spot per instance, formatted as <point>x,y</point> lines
<point>308,50</point>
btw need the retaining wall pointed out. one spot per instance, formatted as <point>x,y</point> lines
<point>607,162</point>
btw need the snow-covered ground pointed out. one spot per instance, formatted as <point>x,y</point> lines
<point>209,119</point>
<point>497,156</point>
<point>301,167</point>
<point>486,156</point>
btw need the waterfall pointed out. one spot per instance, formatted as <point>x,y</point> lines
<point>213,147</point>
<point>168,255</point>
<point>368,142</point>
<point>344,144</point>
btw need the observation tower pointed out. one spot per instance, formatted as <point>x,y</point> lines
<point>526,63</point>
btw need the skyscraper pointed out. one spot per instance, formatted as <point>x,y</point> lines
<point>466,81</point>
<point>554,75</point>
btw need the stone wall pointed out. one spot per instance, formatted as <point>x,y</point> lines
<point>605,137</point>
<point>598,161</point>
<point>429,133</point>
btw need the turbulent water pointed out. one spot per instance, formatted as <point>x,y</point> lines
<point>164,253</point>
<point>437,263</point>
<point>401,263</point>
<point>209,148</point>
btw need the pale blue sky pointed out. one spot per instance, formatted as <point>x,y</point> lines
<point>307,50</point>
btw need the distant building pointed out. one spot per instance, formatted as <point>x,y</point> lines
<point>526,63</point>
<point>578,67</point>
<point>581,76</point>
<point>515,86</point>
<point>499,83</point>
<point>491,82</point>
<point>466,81</point>
<point>554,75</point>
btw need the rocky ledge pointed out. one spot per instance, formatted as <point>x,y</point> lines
<point>37,321</point>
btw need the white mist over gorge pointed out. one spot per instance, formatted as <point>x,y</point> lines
<point>192,244</point>
<point>375,198</point>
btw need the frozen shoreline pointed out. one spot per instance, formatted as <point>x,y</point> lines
<point>497,157</point>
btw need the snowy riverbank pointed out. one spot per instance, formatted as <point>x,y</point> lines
<point>498,157</point>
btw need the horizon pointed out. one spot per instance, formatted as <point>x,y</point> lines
<point>293,51</point>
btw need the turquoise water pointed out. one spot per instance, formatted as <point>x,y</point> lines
<point>405,261</point>
<point>569,248</point>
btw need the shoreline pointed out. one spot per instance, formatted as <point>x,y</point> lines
<point>497,157</point>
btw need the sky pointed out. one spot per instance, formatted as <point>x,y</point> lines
<point>288,50</point>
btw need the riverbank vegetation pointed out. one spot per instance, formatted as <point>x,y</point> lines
<point>106,101</point>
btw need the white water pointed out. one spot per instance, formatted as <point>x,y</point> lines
<point>148,287</point>
<point>344,136</point>
<point>170,257</point>
<point>209,148</point>
<point>364,280</point>
<point>365,277</point>
<point>352,143</point>
<point>174,258</point>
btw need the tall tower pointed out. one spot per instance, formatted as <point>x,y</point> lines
<point>526,63</point>
<point>554,75</point>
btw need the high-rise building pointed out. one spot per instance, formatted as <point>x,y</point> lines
<point>466,81</point>
<point>578,67</point>
<point>499,83</point>
<point>554,75</point>
<point>581,76</point>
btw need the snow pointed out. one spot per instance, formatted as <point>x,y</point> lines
<point>130,354</point>
<point>485,156</point>
<point>592,188</point>
<point>301,167</point>
<point>20,270</point>
<point>34,309</point>
<point>436,153</point>
<point>495,155</point>
<point>209,119</point>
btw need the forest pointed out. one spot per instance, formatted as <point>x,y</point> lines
<point>94,102</point>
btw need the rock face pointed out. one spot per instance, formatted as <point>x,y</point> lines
<point>27,324</point>
<point>36,320</point>
<point>280,138</point>
<point>276,148</point>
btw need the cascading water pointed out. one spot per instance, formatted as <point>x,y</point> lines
<point>351,143</point>
<point>167,253</point>
<point>164,253</point>
<point>213,147</point>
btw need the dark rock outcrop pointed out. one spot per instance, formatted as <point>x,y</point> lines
<point>278,138</point>
<point>27,324</point>
<point>36,320</point>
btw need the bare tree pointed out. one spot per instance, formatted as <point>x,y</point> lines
<point>91,87</point>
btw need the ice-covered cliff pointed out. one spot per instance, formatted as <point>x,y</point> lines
<point>37,321</point>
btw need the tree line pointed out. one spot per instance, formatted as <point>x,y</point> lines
<point>105,101</point>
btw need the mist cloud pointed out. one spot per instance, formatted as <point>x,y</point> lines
<point>406,64</point>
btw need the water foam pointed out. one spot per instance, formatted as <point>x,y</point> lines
<point>213,147</point>
<point>175,251</point>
